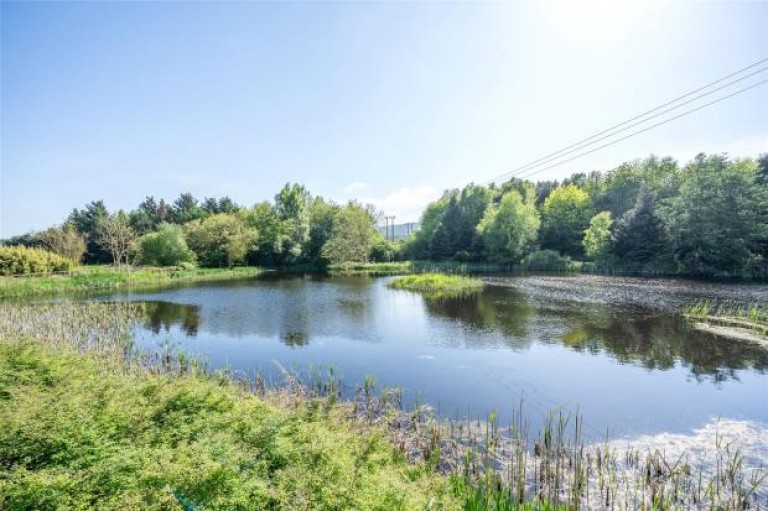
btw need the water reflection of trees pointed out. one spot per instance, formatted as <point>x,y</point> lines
<point>290,308</point>
<point>496,310</point>
<point>659,341</point>
<point>630,334</point>
<point>163,315</point>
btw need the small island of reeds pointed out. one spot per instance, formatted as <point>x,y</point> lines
<point>438,285</point>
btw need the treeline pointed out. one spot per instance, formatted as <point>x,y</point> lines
<point>297,228</point>
<point>709,217</point>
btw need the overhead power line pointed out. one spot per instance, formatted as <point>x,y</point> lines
<point>608,132</point>
<point>578,146</point>
<point>528,169</point>
<point>652,126</point>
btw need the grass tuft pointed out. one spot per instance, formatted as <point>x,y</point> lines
<point>437,285</point>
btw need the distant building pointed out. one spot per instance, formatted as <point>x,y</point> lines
<point>401,230</point>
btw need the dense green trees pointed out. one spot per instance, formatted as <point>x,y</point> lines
<point>640,235</point>
<point>708,218</point>
<point>292,207</point>
<point>352,236</point>
<point>223,239</point>
<point>86,221</point>
<point>598,237</point>
<point>565,215</point>
<point>509,229</point>
<point>718,221</point>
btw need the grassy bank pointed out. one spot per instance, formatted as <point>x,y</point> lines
<point>86,427</point>
<point>101,278</point>
<point>438,285</point>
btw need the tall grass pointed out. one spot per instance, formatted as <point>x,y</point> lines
<point>753,317</point>
<point>103,278</point>
<point>89,422</point>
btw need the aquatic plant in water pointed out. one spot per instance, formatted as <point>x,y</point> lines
<point>437,285</point>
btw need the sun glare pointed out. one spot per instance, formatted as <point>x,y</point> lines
<point>595,22</point>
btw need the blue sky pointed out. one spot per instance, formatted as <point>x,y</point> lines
<point>386,102</point>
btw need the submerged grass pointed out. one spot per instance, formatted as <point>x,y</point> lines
<point>437,285</point>
<point>102,278</point>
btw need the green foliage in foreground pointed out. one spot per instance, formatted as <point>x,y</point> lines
<point>438,285</point>
<point>101,278</point>
<point>23,261</point>
<point>77,436</point>
<point>549,260</point>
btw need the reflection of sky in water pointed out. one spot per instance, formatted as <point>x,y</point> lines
<point>613,348</point>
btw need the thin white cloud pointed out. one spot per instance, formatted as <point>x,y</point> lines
<point>356,187</point>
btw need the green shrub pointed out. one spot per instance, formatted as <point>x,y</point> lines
<point>220,240</point>
<point>23,261</point>
<point>166,247</point>
<point>549,260</point>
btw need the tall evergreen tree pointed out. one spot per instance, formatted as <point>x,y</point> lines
<point>718,221</point>
<point>640,235</point>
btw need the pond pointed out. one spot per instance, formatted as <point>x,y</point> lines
<point>614,349</point>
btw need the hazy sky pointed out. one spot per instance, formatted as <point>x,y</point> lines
<point>386,102</point>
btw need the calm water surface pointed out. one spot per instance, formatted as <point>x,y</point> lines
<point>614,349</point>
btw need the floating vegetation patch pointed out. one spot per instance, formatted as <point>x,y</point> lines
<point>438,285</point>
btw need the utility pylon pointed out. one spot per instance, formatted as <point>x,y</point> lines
<point>386,228</point>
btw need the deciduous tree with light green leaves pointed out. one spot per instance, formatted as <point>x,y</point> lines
<point>352,236</point>
<point>564,217</point>
<point>165,247</point>
<point>220,240</point>
<point>597,237</point>
<point>509,229</point>
<point>292,207</point>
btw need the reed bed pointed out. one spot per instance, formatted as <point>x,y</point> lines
<point>752,317</point>
<point>487,465</point>
<point>506,467</point>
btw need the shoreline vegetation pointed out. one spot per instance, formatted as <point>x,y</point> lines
<point>739,322</point>
<point>86,279</point>
<point>98,278</point>
<point>633,220</point>
<point>438,285</point>
<point>89,420</point>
